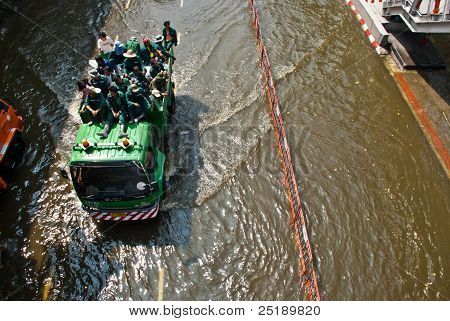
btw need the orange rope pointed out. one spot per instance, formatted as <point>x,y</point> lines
<point>290,182</point>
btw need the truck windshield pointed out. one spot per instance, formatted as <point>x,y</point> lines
<point>99,182</point>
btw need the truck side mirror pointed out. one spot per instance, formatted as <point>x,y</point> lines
<point>64,173</point>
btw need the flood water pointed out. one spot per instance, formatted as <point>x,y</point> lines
<point>376,199</point>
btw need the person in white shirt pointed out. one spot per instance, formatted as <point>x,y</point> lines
<point>105,44</point>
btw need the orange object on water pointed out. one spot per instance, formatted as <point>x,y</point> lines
<point>11,143</point>
<point>3,184</point>
<point>10,125</point>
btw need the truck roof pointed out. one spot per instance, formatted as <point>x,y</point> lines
<point>110,149</point>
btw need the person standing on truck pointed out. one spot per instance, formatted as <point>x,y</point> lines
<point>95,106</point>
<point>170,36</point>
<point>117,103</point>
<point>99,81</point>
<point>131,60</point>
<point>137,104</point>
<point>104,44</point>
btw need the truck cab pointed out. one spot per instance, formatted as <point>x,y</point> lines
<point>118,179</point>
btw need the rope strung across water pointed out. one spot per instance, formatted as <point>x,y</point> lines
<point>309,278</point>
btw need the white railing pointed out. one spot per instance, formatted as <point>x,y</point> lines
<point>425,10</point>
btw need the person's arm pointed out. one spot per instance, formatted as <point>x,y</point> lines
<point>86,105</point>
<point>83,101</point>
<point>123,105</point>
<point>110,107</point>
<point>110,42</point>
<point>94,112</point>
<point>175,37</point>
<point>130,102</point>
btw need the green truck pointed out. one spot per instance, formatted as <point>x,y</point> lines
<point>122,179</point>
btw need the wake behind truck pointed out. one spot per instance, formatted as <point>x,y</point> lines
<point>122,178</point>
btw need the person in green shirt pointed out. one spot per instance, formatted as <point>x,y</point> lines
<point>155,68</point>
<point>99,81</point>
<point>138,105</point>
<point>147,51</point>
<point>117,103</point>
<point>170,36</point>
<point>161,51</point>
<point>121,83</point>
<point>95,106</point>
<point>156,113</point>
<point>116,57</point>
<point>133,45</point>
<point>137,77</point>
<point>160,81</point>
<point>131,60</point>
<point>156,100</point>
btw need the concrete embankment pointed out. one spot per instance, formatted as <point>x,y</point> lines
<point>427,93</point>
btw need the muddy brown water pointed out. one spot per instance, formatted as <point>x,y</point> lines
<point>376,198</point>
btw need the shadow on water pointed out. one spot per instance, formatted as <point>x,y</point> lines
<point>86,264</point>
<point>183,161</point>
<point>23,89</point>
<point>37,63</point>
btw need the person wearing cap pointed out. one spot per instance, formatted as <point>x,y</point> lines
<point>121,83</point>
<point>131,60</point>
<point>100,64</point>
<point>99,81</point>
<point>117,103</point>
<point>104,44</point>
<point>133,45</point>
<point>156,99</point>
<point>170,36</point>
<point>138,78</point>
<point>161,51</point>
<point>95,106</point>
<point>147,51</point>
<point>138,105</point>
<point>156,113</point>
<point>116,57</point>
<point>155,68</point>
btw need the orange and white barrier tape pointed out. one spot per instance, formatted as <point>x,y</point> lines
<point>309,278</point>
<point>365,28</point>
